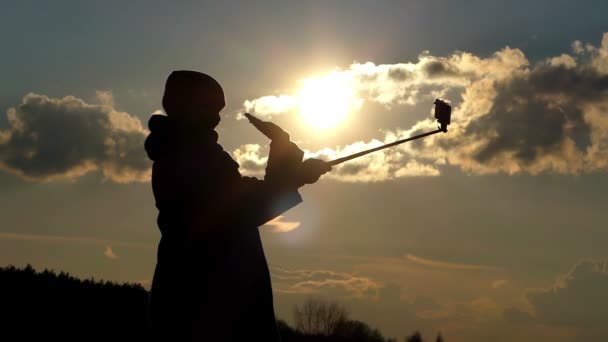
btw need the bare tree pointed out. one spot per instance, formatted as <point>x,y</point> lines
<point>319,317</point>
<point>416,337</point>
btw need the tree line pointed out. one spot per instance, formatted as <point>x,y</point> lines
<point>45,306</point>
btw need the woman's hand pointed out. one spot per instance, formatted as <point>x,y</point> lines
<point>312,169</point>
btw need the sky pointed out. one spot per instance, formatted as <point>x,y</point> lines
<point>494,230</point>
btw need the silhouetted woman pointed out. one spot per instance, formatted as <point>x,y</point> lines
<point>211,281</point>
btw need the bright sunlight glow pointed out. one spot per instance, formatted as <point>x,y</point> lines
<point>326,102</point>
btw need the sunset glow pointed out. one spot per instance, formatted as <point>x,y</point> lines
<point>326,102</point>
<point>199,153</point>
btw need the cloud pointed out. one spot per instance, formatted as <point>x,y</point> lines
<point>577,299</point>
<point>564,60</point>
<point>401,83</point>
<point>65,138</point>
<point>70,239</point>
<point>379,304</point>
<point>447,265</point>
<point>280,226</point>
<point>516,316</point>
<point>105,97</point>
<point>496,284</point>
<point>386,84</point>
<point>250,160</point>
<point>267,106</point>
<point>376,167</point>
<point>325,282</point>
<point>109,253</point>
<point>509,115</point>
<point>576,302</point>
<point>548,117</point>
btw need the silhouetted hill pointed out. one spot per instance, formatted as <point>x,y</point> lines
<point>50,306</point>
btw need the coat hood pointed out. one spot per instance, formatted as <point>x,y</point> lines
<point>168,136</point>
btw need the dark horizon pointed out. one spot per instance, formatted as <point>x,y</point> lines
<point>493,230</point>
<point>64,307</point>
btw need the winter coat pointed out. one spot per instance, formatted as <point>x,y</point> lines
<point>211,281</point>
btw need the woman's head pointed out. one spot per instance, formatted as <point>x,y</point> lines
<point>194,97</point>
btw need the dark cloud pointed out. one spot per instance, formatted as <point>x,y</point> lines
<point>399,74</point>
<point>527,127</point>
<point>578,84</point>
<point>52,138</point>
<point>440,68</point>
<point>533,113</point>
<point>417,144</point>
<point>548,117</point>
<point>425,303</point>
<point>578,299</point>
<point>516,316</point>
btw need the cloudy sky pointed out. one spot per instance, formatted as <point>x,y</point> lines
<point>493,230</point>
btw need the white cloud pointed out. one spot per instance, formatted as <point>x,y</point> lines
<point>267,106</point>
<point>447,265</point>
<point>509,116</point>
<point>250,160</point>
<point>376,167</point>
<point>70,239</point>
<point>564,60</point>
<point>499,283</point>
<point>413,168</point>
<point>400,83</point>
<point>280,226</point>
<point>105,97</point>
<point>109,253</point>
<point>323,282</point>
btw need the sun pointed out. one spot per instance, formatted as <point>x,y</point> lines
<point>325,102</point>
